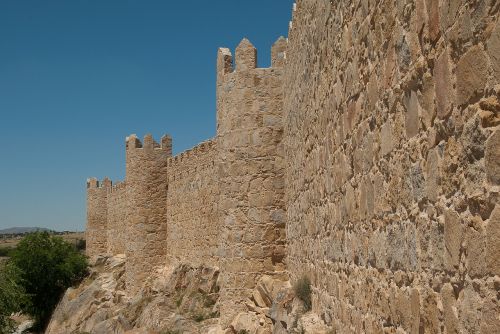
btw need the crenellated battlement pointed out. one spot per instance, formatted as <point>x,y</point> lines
<point>290,24</point>
<point>191,161</point>
<point>94,183</point>
<point>246,59</point>
<point>118,186</point>
<point>132,142</point>
<point>193,152</point>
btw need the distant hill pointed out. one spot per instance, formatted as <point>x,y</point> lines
<point>21,230</point>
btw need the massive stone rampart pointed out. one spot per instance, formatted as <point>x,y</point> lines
<point>251,172</point>
<point>391,121</point>
<point>366,158</point>
<point>220,203</point>
<point>192,201</point>
<point>97,216</point>
<point>116,216</point>
<point>146,225</point>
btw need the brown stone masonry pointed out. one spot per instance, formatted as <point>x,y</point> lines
<point>366,158</point>
<point>192,202</point>
<point>392,175</point>
<point>97,219</point>
<point>220,203</point>
<point>251,170</point>
<point>146,222</point>
<point>117,212</point>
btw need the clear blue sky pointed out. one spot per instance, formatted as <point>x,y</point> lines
<point>77,77</point>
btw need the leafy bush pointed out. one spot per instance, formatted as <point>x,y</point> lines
<point>48,266</point>
<point>302,290</point>
<point>6,251</point>
<point>81,245</point>
<point>12,295</point>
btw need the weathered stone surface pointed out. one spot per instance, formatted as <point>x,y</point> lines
<point>193,234</point>
<point>412,115</point>
<point>453,232</point>
<point>428,99</point>
<point>431,209</point>
<point>267,290</point>
<point>449,309</point>
<point>250,178</point>
<point>472,74</point>
<point>490,322</point>
<point>146,179</point>
<point>433,174</point>
<point>493,49</point>
<point>97,217</point>
<point>169,300</point>
<point>469,310</point>
<point>492,158</point>
<point>116,203</point>
<point>433,14</point>
<point>366,157</point>
<point>493,242</point>
<point>444,84</point>
<point>386,138</point>
<point>312,324</point>
<point>476,248</point>
<point>246,56</point>
<point>249,322</point>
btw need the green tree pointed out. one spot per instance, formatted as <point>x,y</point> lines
<point>48,266</point>
<point>12,295</point>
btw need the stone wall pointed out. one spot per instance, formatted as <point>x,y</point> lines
<point>392,163</point>
<point>251,168</point>
<point>97,217</point>
<point>192,221</point>
<point>146,221</point>
<point>116,215</point>
<point>373,141</point>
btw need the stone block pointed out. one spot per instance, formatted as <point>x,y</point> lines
<point>443,84</point>
<point>475,241</point>
<point>434,23</point>
<point>492,158</point>
<point>469,310</point>
<point>472,74</point>
<point>453,234</point>
<point>493,49</point>
<point>433,174</point>
<point>412,115</point>
<point>493,242</point>
<point>386,138</point>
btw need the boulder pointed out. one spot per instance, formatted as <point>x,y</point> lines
<point>311,323</point>
<point>251,323</point>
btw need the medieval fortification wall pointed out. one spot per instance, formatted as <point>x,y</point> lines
<point>116,216</point>
<point>192,201</point>
<point>366,158</point>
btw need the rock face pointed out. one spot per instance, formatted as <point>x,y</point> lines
<point>180,299</point>
<point>367,158</point>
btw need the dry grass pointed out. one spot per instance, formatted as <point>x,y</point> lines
<point>71,237</point>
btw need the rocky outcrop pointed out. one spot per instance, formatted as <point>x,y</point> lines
<point>275,308</point>
<point>177,299</point>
